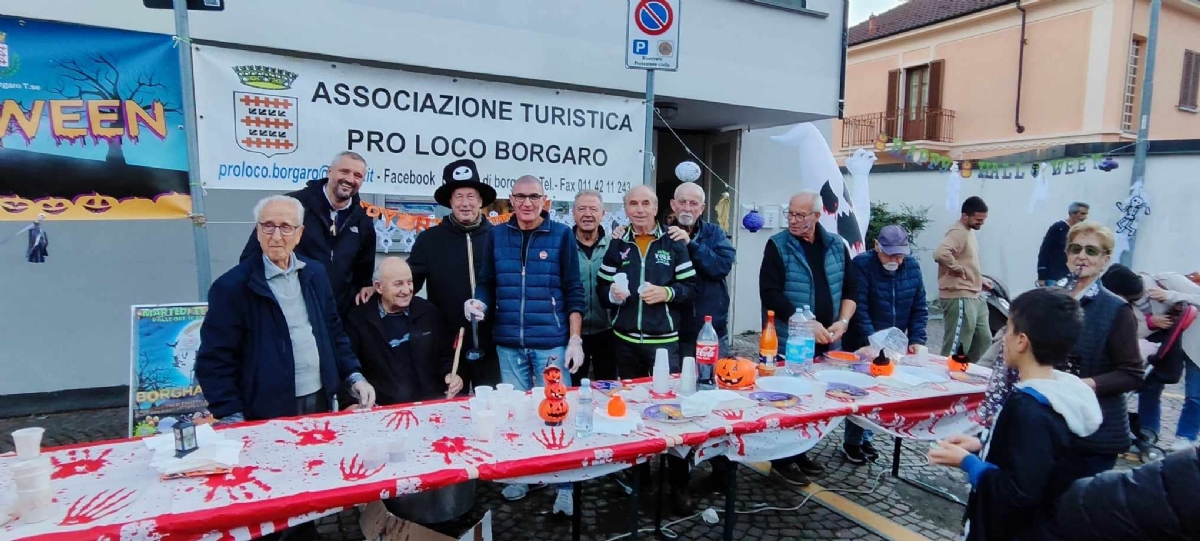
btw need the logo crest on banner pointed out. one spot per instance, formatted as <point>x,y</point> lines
<point>266,124</point>
<point>8,63</point>
<point>264,77</point>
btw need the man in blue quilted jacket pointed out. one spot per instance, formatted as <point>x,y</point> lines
<point>530,282</point>
<point>891,293</point>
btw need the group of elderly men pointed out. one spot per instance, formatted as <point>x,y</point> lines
<point>306,318</point>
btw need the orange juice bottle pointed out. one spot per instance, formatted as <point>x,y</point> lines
<point>768,345</point>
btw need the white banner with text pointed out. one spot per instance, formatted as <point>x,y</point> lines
<point>270,122</point>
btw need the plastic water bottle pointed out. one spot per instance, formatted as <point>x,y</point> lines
<point>583,416</point>
<point>708,349</point>
<point>801,345</point>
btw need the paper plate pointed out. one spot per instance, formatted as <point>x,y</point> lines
<point>967,377</point>
<point>846,378</point>
<point>927,374</point>
<point>665,413</point>
<point>778,400</point>
<point>841,390</point>
<point>609,387</point>
<point>784,384</point>
<point>842,357</point>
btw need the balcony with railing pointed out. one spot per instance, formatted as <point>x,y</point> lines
<point>916,124</point>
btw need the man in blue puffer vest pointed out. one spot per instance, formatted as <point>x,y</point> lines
<point>891,294</point>
<point>530,279</point>
<point>807,266</point>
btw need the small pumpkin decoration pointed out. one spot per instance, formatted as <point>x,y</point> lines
<point>959,362</point>
<point>882,366</point>
<point>616,407</point>
<point>556,391</point>
<point>736,373</point>
<point>553,411</point>
<point>552,374</point>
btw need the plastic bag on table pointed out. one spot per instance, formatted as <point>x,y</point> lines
<point>892,341</point>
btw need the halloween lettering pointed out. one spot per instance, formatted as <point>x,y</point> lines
<point>75,120</point>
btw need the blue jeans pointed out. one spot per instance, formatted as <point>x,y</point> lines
<point>522,367</point>
<point>856,435</point>
<point>1150,403</point>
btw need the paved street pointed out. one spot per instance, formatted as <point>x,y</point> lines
<point>893,510</point>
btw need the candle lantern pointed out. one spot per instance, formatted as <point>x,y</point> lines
<point>185,437</point>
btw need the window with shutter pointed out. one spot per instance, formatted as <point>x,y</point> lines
<point>1189,83</point>
<point>892,112</point>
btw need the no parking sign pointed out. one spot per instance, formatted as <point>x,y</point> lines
<point>652,35</point>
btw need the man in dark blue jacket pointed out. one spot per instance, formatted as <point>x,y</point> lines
<point>891,294</point>
<point>272,344</point>
<point>530,280</point>
<point>712,256</point>
<point>1052,257</point>
<point>338,233</point>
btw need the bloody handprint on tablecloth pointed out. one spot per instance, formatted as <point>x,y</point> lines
<point>554,440</point>
<point>310,467</point>
<point>403,418</point>
<point>87,510</point>
<point>79,463</point>
<point>436,419</point>
<point>356,470</point>
<point>458,446</point>
<point>240,481</point>
<point>730,415</point>
<point>314,435</point>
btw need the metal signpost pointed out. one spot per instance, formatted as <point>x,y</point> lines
<point>652,43</point>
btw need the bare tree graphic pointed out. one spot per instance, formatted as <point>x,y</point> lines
<point>97,77</point>
<point>152,377</point>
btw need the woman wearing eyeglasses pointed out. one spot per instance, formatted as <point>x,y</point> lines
<point>1106,356</point>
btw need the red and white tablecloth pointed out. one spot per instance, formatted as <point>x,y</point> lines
<point>295,470</point>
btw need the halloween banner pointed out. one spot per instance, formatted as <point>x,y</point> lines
<point>987,169</point>
<point>270,122</point>
<point>162,376</point>
<point>91,123</point>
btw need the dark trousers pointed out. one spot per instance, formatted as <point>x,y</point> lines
<point>637,361</point>
<point>485,371</point>
<point>598,357</point>
<point>305,405</point>
<point>821,349</point>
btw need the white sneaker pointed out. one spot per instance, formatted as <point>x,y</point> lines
<point>564,502</point>
<point>1182,444</point>
<point>515,492</point>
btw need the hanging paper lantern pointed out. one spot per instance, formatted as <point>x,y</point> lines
<point>1108,164</point>
<point>753,221</point>
<point>687,171</point>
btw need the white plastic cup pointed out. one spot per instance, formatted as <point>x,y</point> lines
<point>34,505</point>
<point>819,388</point>
<point>27,467</point>
<point>922,354</point>
<point>476,405</point>
<point>661,376</point>
<point>522,407</point>
<point>538,393</point>
<point>28,442</point>
<point>484,393</point>
<point>485,425</point>
<point>687,377</point>
<point>396,450</point>
<point>502,405</point>
<point>374,454</point>
<point>34,480</point>
<point>504,388</point>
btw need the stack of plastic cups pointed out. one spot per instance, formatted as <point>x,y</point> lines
<point>32,476</point>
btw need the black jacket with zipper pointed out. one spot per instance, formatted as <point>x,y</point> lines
<point>431,353</point>
<point>440,265</point>
<point>667,264</point>
<point>348,257</point>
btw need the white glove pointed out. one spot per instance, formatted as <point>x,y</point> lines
<point>474,310</point>
<point>364,392</point>
<point>574,354</point>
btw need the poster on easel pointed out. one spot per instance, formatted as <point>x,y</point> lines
<point>162,375</point>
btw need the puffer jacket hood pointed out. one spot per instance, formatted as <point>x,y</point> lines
<point>1071,398</point>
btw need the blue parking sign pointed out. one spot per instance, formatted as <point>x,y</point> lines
<point>641,46</point>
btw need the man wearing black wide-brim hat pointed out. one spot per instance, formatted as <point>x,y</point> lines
<point>440,262</point>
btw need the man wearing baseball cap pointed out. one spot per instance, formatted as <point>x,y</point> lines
<point>891,293</point>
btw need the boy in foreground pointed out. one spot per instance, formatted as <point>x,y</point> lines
<point>1019,472</point>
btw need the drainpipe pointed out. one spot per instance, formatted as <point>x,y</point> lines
<point>1020,68</point>
<point>845,51</point>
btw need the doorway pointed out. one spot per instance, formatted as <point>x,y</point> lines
<point>719,150</point>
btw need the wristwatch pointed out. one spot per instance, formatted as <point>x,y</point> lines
<point>844,322</point>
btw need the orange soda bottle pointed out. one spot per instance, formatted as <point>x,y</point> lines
<point>768,345</point>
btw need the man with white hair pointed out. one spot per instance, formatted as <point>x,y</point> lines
<point>712,256</point>
<point>807,266</point>
<point>339,235</point>
<point>272,344</point>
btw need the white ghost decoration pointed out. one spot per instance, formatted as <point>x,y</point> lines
<point>859,164</point>
<point>953,189</point>
<point>1041,187</point>
<point>383,230</point>
<point>462,172</point>
<point>819,172</point>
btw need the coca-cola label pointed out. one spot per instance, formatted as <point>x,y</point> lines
<point>706,353</point>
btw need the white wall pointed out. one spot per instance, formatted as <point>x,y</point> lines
<point>730,51</point>
<point>1010,239</point>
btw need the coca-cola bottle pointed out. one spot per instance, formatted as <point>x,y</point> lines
<point>708,349</point>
